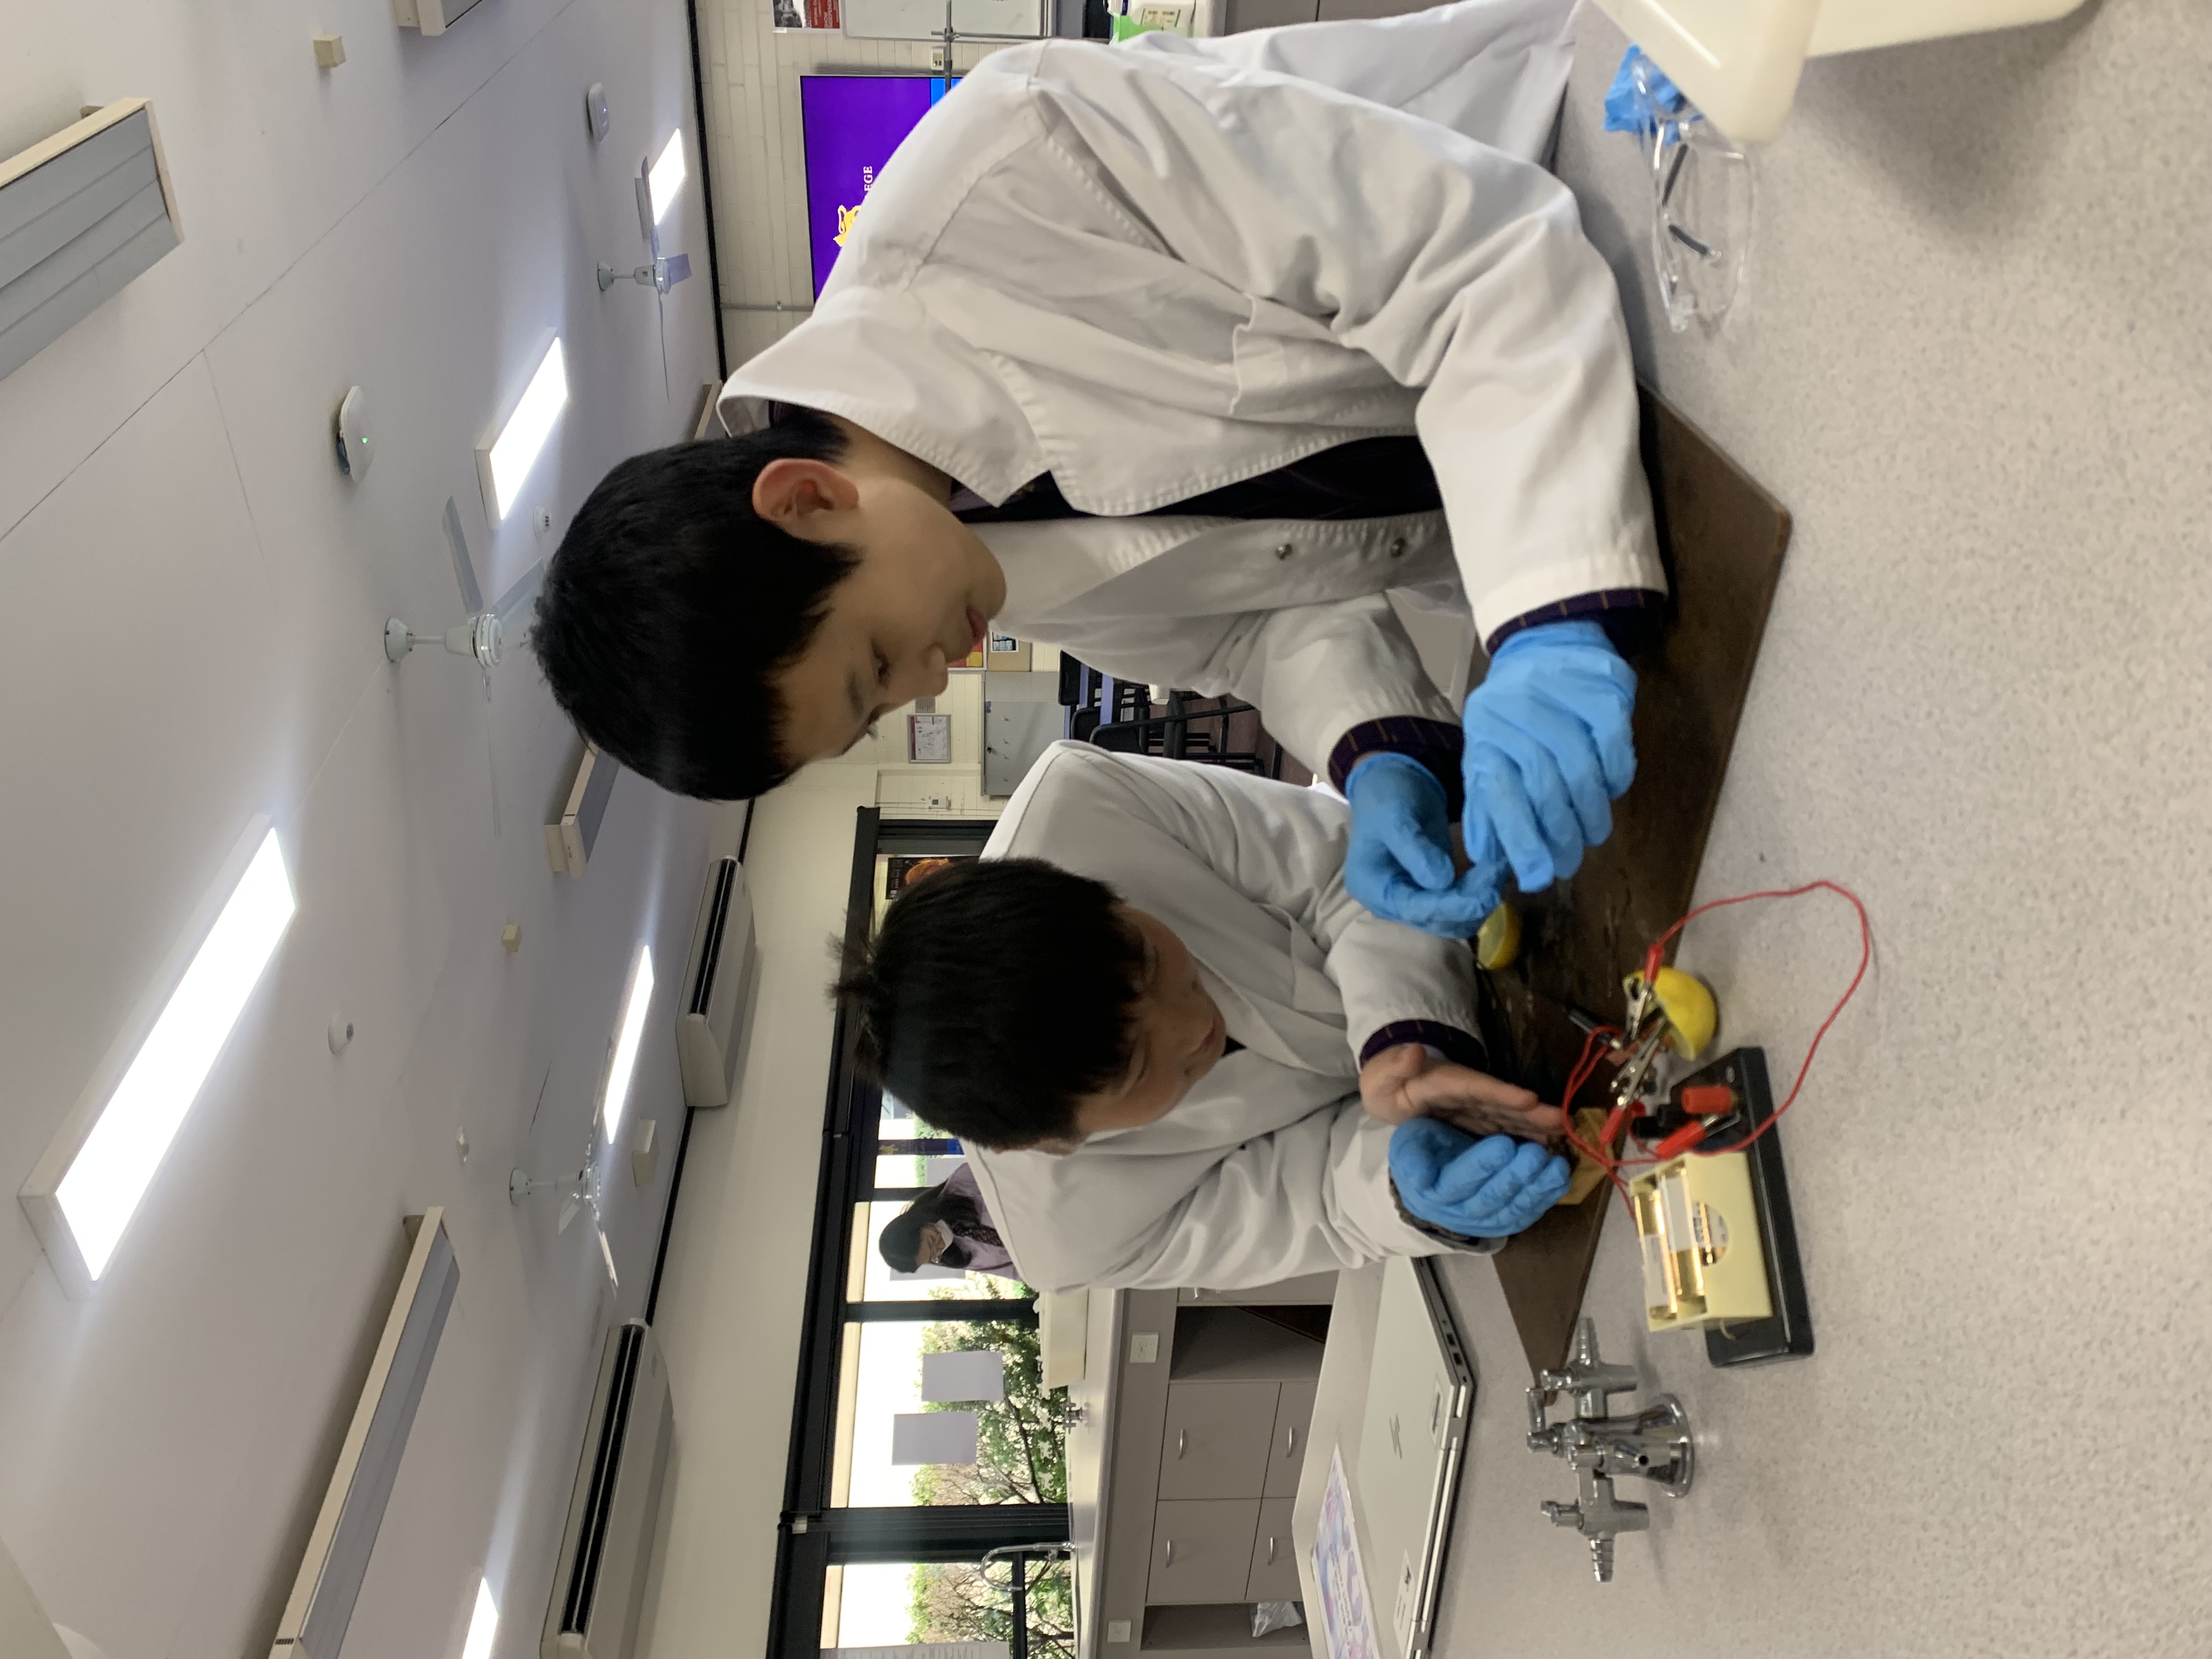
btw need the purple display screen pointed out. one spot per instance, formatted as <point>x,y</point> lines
<point>852,123</point>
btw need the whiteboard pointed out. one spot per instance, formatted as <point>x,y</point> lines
<point>924,20</point>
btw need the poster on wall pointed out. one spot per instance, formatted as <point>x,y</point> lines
<point>852,123</point>
<point>807,14</point>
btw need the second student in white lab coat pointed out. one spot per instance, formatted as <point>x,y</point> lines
<point>1179,1053</point>
<point>1180,356</point>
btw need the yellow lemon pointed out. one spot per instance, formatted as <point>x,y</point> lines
<point>1689,1008</point>
<point>1498,941</point>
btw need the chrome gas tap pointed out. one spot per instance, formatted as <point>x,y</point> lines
<point>1653,1445</point>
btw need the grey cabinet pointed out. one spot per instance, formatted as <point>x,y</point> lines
<point>1274,1574</point>
<point>1202,1551</point>
<point>1286,1451</point>
<point>1218,1439</point>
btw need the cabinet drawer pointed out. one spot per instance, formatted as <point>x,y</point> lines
<point>1202,1551</point>
<point>1216,1439</point>
<point>1286,1452</point>
<point>1274,1559</point>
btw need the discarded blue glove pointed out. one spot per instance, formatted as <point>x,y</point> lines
<point>1634,102</point>
<point>1548,748</point>
<point>1487,1188</point>
<point>1399,863</point>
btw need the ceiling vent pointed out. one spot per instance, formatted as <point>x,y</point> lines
<point>431,16</point>
<point>80,215</point>
<point>569,839</point>
<point>330,1577</point>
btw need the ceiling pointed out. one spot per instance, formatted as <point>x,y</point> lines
<point>196,597</point>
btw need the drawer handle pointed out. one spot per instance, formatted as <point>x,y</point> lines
<point>1170,1560</point>
<point>1183,1441</point>
<point>1291,1440</point>
<point>1271,1549</point>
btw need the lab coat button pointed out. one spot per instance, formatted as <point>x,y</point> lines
<point>1283,550</point>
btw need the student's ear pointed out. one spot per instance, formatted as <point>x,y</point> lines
<point>790,490</point>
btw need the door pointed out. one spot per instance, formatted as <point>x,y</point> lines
<point>1274,1575</point>
<point>1286,1452</point>
<point>1202,1551</point>
<point>1216,1439</point>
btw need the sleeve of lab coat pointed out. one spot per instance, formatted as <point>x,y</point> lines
<point>1310,1198</point>
<point>1270,843</point>
<point>1313,671</point>
<point>1493,69</point>
<point>1461,270</point>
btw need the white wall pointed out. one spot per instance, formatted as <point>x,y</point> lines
<point>196,599</point>
<point>732,1299</point>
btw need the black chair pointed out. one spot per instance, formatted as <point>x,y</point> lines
<point>1172,735</point>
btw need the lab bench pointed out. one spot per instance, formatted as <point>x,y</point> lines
<point>1190,1432</point>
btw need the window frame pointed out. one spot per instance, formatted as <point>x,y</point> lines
<point>811,1536</point>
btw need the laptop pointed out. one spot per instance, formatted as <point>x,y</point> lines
<point>1420,1395</point>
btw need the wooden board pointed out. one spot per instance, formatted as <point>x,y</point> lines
<point>1723,538</point>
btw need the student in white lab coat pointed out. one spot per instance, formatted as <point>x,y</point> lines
<point>1152,1014</point>
<point>1180,355</point>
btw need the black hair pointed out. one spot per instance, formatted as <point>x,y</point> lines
<point>671,602</point>
<point>996,994</point>
<point>901,1238</point>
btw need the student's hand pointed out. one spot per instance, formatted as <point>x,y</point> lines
<point>1400,862</point>
<point>1548,748</point>
<point>1487,1188</point>
<point>1407,1081</point>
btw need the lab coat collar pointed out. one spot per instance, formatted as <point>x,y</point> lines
<point>879,359</point>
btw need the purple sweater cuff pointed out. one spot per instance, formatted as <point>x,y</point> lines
<point>1435,744</point>
<point>1461,1047</point>
<point>1618,602</point>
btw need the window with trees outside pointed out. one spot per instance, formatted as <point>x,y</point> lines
<point>905,1497</point>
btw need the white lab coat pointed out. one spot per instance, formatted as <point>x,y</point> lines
<point>1155,270</point>
<point>1269,1167</point>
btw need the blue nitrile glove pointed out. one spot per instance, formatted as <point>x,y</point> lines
<point>1631,108</point>
<point>1487,1188</point>
<point>1400,862</point>
<point>1548,748</point>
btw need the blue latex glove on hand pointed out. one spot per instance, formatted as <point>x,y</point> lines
<point>1487,1188</point>
<point>1400,862</point>
<point>1635,102</point>
<point>1548,748</point>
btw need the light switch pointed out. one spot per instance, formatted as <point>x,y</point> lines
<point>643,1155</point>
<point>1117,1630</point>
<point>329,51</point>
<point>1144,1347</point>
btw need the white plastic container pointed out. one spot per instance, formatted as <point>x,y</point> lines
<point>1739,60</point>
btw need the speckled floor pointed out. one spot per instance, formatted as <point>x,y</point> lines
<point>1973,356</point>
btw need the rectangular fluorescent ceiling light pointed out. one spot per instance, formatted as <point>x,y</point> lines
<point>84,1191</point>
<point>483,1624</point>
<point>635,1008</point>
<point>667,175</point>
<point>505,460</point>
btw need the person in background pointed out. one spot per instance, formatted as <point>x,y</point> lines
<point>1190,1057</point>
<point>1185,356</point>
<point>950,1226</point>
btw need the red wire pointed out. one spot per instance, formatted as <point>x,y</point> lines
<point>1586,1066</point>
